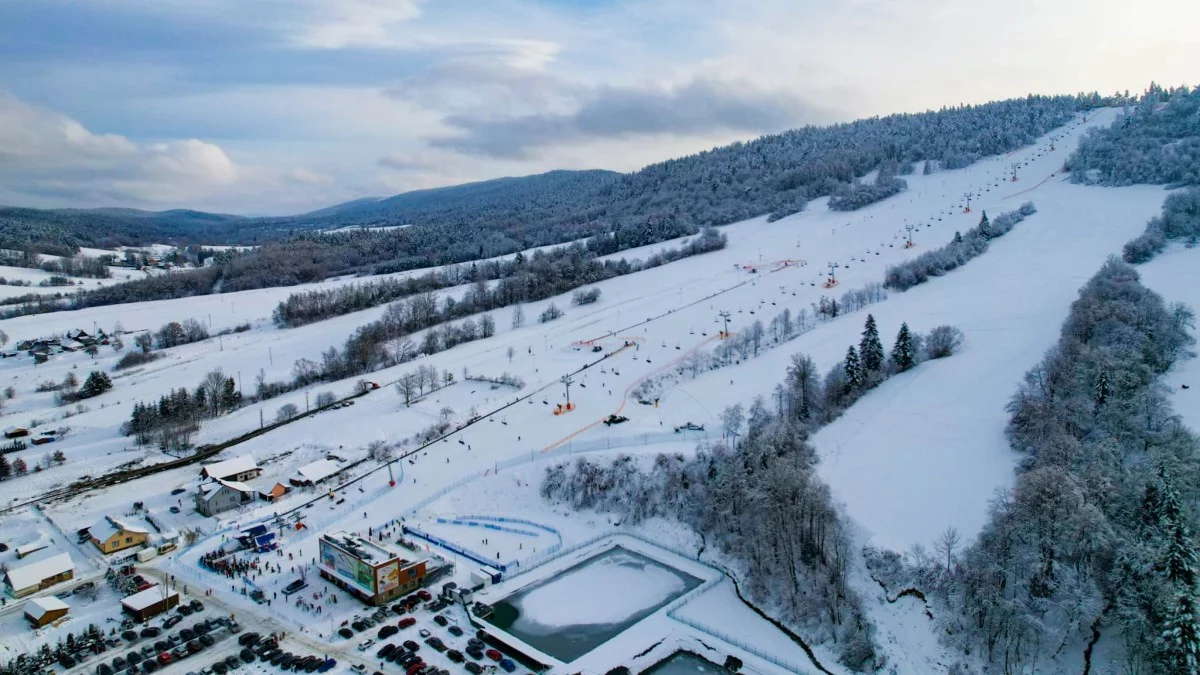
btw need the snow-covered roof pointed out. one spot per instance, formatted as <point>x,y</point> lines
<point>10,429</point>
<point>207,490</point>
<point>143,599</point>
<point>33,573</point>
<point>39,607</point>
<point>107,526</point>
<point>229,467</point>
<point>318,470</point>
<point>37,545</point>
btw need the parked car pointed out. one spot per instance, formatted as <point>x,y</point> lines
<point>294,586</point>
<point>358,668</point>
<point>358,626</point>
<point>207,640</point>
<point>66,661</point>
<point>475,653</point>
<point>387,632</point>
<point>455,631</point>
<point>345,633</point>
<point>406,622</point>
<point>365,645</point>
<point>233,662</point>
<point>164,658</point>
<point>455,656</point>
<point>424,595</point>
<point>493,654</point>
<point>415,668</point>
<point>194,646</point>
<point>220,668</point>
<point>196,605</point>
<point>150,632</point>
<point>436,643</point>
<point>246,655</point>
<point>104,669</point>
<point>328,665</point>
<point>473,668</point>
<point>399,608</point>
<point>248,639</point>
<point>386,651</point>
<point>441,620</point>
<point>185,610</point>
<point>411,645</point>
<point>508,665</point>
<point>148,666</point>
<point>179,652</point>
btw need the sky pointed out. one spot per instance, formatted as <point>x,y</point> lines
<point>272,107</point>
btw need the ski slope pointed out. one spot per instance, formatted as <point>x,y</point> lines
<point>1175,275</point>
<point>922,452</point>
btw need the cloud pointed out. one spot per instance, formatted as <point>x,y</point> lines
<point>397,162</point>
<point>49,159</point>
<point>702,106</point>
<point>347,23</point>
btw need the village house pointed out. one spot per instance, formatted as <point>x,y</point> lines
<point>216,496</point>
<point>238,469</point>
<point>43,573</point>
<point>45,611</point>
<point>111,535</point>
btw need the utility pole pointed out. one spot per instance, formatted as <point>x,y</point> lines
<point>724,315</point>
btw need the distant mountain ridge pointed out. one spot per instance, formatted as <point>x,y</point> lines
<point>775,174</point>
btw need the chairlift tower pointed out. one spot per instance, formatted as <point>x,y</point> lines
<point>1015,166</point>
<point>724,315</point>
<point>967,196</point>
<point>909,228</point>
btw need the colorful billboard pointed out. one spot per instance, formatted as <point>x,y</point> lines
<point>347,567</point>
<point>388,577</point>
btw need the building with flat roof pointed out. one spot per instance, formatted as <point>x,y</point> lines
<point>43,573</point>
<point>368,569</point>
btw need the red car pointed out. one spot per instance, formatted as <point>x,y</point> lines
<point>164,658</point>
<point>416,668</point>
<point>424,595</point>
<point>493,655</point>
<point>406,622</point>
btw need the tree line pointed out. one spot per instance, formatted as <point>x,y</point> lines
<point>1099,530</point>
<point>171,421</point>
<point>955,254</point>
<point>1156,141</point>
<point>522,278</point>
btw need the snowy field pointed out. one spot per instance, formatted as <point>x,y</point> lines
<point>1175,275</point>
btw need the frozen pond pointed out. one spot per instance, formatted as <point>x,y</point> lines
<point>580,608</point>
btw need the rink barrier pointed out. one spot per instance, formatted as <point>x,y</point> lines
<point>486,526</point>
<point>456,549</point>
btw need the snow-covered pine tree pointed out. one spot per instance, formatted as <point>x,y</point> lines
<point>1102,389</point>
<point>957,237</point>
<point>902,353</point>
<point>854,371</point>
<point>985,226</point>
<point>870,348</point>
<point>1180,638</point>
